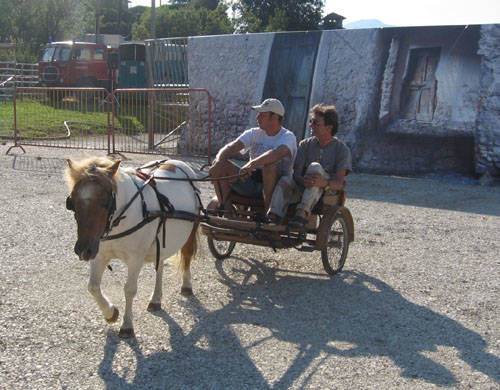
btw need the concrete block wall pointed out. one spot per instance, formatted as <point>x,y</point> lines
<point>233,69</point>
<point>347,74</point>
<point>487,134</point>
<point>353,70</point>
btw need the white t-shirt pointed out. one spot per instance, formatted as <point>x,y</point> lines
<point>256,142</point>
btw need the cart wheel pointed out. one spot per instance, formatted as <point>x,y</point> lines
<point>334,253</point>
<point>219,249</point>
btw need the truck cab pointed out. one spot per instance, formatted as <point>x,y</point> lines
<point>76,64</point>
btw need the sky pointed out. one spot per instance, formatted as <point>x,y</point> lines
<point>404,12</point>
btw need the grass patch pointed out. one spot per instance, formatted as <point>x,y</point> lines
<point>35,119</point>
<point>39,118</point>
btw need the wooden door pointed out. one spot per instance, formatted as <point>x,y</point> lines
<point>421,85</point>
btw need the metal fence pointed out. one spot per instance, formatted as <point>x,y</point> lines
<point>62,117</point>
<point>15,75</point>
<point>175,122</point>
<point>167,63</point>
<point>12,75</point>
<point>162,121</point>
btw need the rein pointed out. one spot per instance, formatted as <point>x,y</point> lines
<point>167,210</point>
<point>164,202</point>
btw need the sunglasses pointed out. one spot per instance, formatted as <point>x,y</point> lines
<point>314,122</point>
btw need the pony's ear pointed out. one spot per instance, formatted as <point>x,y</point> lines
<point>113,168</point>
<point>70,163</point>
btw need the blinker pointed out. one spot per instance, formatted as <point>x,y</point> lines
<point>69,204</point>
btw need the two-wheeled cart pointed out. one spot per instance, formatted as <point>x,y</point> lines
<point>329,230</point>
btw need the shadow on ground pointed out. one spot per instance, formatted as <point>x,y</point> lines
<point>425,193</point>
<point>354,315</point>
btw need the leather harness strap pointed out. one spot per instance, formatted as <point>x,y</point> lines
<point>167,210</point>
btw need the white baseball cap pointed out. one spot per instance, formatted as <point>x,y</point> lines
<point>271,105</point>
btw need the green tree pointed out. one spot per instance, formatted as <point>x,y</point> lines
<point>278,15</point>
<point>180,20</point>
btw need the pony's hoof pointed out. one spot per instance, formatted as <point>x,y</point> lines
<point>154,306</point>
<point>114,317</point>
<point>186,291</point>
<point>126,333</point>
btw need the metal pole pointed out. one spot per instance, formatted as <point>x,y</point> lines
<point>97,20</point>
<point>153,19</point>
<point>150,94</point>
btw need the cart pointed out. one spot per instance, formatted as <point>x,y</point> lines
<point>330,229</point>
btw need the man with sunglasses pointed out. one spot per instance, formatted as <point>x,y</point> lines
<point>321,165</point>
<point>272,150</point>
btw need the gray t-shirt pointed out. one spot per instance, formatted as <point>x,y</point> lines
<point>333,156</point>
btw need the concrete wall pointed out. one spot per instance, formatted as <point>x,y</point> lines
<point>347,74</point>
<point>363,72</point>
<point>487,134</point>
<point>456,77</point>
<point>233,69</point>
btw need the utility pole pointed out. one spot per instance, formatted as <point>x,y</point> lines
<point>97,20</point>
<point>153,19</point>
<point>151,135</point>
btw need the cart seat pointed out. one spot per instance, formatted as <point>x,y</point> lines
<point>242,200</point>
<point>336,198</point>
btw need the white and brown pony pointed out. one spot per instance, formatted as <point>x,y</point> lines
<point>112,209</point>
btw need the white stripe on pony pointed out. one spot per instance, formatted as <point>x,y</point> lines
<point>92,183</point>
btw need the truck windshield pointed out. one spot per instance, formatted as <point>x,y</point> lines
<point>62,53</point>
<point>48,53</point>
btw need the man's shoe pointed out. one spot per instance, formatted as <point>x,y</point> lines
<point>274,219</point>
<point>297,223</point>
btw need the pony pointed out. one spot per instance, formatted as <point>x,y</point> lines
<point>112,207</point>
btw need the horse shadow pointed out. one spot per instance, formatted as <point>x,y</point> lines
<point>355,315</point>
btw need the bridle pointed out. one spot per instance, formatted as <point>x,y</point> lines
<point>110,205</point>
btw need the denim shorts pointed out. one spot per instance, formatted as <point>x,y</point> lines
<point>251,187</point>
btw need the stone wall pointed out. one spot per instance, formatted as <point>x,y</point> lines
<point>347,74</point>
<point>363,73</point>
<point>456,80</point>
<point>233,69</point>
<point>487,134</point>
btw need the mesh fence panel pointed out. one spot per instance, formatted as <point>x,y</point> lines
<point>148,121</point>
<point>162,121</point>
<point>62,117</point>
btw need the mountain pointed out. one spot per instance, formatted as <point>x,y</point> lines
<point>366,23</point>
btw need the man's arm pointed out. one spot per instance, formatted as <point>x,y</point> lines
<point>225,154</point>
<point>334,183</point>
<point>267,158</point>
<point>297,174</point>
<point>338,182</point>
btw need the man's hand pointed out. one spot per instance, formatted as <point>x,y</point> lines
<point>247,169</point>
<point>215,168</point>
<point>315,180</point>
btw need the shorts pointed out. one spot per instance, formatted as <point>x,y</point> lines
<point>251,187</point>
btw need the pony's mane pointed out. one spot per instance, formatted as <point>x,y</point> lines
<point>88,167</point>
<point>129,171</point>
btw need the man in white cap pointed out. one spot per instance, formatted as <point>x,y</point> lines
<point>272,150</point>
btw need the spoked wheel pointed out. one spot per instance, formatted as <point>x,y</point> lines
<point>334,253</point>
<point>219,249</point>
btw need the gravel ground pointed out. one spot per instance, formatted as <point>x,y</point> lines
<point>416,306</point>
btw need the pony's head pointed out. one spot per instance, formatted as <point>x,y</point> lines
<point>92,199</point>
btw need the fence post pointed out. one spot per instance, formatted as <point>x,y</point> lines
<point>209,148</point>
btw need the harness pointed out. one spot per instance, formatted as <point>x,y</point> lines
<point>167,209</point>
